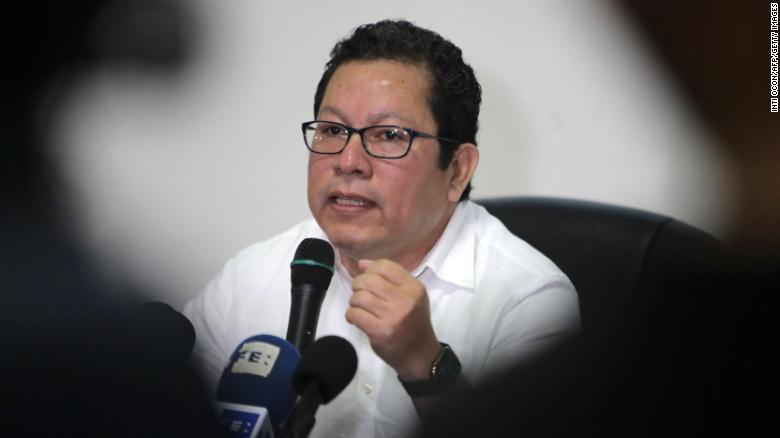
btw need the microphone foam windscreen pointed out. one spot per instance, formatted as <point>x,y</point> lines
<point>312,263</point>
<point>260,374</point>
<point>330,361</point>
<point>166,332</point>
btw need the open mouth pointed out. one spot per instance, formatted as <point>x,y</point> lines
<point>351,201</point>
<point>354,202</point>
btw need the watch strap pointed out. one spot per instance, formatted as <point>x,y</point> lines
<point>445,370</point>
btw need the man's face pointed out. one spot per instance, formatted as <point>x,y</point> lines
<point>372,207</point>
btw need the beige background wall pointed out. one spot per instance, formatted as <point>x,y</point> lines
<point>172,176</point>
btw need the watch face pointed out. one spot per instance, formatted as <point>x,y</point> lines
<point>447,368</point>
<point>444,373</point>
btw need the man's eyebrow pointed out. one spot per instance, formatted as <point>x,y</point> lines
<point>334,111</point>
<point>377,118</point>
<point>373,119</point>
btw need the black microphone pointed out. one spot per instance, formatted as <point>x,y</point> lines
<point>310,274</point>
<point>324,371</point>
<point>160,330</point>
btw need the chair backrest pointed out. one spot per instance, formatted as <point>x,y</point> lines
<point>613,255</point>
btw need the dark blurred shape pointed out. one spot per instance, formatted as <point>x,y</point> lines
<point>72,361</point>
<point>45,45</point>
<point>718,52</point>
<point>697,352</point>
<point>698,359</point>
<point>157,33</point>
<point>39,43</point>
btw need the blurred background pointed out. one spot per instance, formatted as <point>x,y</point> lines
<point>169,175</point>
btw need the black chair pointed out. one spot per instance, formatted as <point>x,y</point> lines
<point>672,343</point>
<point>615,256</point>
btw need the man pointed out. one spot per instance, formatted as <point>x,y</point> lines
<point>423,275</point>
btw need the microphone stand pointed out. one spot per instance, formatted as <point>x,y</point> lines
<point>301,421</point>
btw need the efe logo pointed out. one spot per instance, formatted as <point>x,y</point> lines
<point>256,358</point>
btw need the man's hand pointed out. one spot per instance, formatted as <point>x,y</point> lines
<point>391,307</point>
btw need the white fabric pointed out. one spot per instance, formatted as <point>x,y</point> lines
<point>493,298</point>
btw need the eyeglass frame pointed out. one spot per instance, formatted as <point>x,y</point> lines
<point>413,133</point>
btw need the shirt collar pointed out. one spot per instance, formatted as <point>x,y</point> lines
<point>452,258</point>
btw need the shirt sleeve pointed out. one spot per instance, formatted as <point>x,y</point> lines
<point>531,324</point>
<point>208,314</point>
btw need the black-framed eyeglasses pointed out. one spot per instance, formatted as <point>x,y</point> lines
<point>380,141</point>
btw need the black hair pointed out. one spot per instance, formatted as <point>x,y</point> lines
<point>455,94</point>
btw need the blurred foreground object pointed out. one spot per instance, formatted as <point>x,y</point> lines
<point>719,52</point>
<point>73,362</point>
<point>698,354</point>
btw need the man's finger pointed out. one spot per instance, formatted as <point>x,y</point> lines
<point>375,284</point>
<point>369,302</point>
<point>362,319</point>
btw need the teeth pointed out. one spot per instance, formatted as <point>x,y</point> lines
<point>351,201</point>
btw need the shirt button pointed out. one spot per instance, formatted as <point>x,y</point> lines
<point>366,388</point>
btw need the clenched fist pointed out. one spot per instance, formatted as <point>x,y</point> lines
<point>391,307</point>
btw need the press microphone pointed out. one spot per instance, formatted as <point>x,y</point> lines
<point>324,371</point>
<point>160,330</point>
<point>255,392</point>
<point>310,273</point>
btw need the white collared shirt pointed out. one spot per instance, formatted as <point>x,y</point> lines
<point>493,298</point>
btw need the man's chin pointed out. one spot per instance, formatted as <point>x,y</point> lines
<point>352,243</point>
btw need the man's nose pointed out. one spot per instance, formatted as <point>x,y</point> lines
<point>354,159</point>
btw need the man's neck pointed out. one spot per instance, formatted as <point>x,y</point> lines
<point>352,268</point>
<point>410,259</point>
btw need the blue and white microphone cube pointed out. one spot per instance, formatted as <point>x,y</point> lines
<point>244,421</point>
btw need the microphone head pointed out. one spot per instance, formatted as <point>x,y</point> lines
<point>312,264</point>
<point>259,374</point>
<point>163,330</point>
<point>331,362</point>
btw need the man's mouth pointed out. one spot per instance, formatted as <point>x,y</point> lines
<point>350,201</point>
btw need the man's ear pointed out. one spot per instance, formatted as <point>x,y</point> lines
<point>463,164</point>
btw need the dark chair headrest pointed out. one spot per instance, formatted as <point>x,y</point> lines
<point>613,255</point>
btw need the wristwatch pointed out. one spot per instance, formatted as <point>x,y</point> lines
<point>445,370</point>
